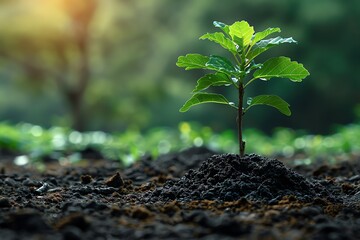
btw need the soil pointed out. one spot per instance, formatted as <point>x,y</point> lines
<point>194,194</point>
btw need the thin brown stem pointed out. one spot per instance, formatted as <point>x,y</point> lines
<point>239,121</point>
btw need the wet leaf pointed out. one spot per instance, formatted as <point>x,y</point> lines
<point>192,61</point>
<point>282,67</point>
<point>222,26</point>
<point>199,98</point>
<point>270,100</point>
<point>221,64</point>
<point>261,35</point>
<point>209,80</point>
<point>265,45</point>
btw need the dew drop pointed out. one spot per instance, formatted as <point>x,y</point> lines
<point>249,101</point>
<point>235,80</point>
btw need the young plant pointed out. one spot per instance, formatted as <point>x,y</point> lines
<point>244,46</point>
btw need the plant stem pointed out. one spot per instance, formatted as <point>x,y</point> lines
<point>239,120</point>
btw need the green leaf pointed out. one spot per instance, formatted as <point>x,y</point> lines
<point>282,67</point>
<point>241,30</point>
<point>261,35</point>
<point>222,26</point>
<point>192,61</point>
<point>220,38</point>
<point>221,64</point>
<point>270,100</point>
<point>265,45</point>
<point>218,79</point>
<point>199,98</point>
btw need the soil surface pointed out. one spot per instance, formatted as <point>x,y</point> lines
<point>194,194</point>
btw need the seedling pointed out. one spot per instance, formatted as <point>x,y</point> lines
<point>245,46</point>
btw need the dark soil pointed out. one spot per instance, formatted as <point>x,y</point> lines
<point>189,195</point>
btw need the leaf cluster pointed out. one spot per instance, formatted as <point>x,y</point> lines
<point>241,41</point>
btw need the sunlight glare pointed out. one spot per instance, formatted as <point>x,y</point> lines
<point>34,17</point>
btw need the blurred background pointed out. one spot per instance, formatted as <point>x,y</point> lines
<point>109,65</point>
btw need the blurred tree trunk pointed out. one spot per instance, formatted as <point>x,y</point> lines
<point>81,13</point>
<point>63,58</point>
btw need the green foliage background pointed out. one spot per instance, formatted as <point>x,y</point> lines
<point>136,84</point>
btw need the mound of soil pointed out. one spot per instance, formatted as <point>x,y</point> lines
<point>188,195</point>
<point>229,178</point>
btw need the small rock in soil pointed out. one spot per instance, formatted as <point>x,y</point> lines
<point>141,213</point>
<point>43,188</point>
<point>115,181</point>
<point>354,178</point>
<point>86,179</point>
<point>11,182</point>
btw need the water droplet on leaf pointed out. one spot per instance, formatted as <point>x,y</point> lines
<point>249,101</point>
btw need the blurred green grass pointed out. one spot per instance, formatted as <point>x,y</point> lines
<point>32,143</point>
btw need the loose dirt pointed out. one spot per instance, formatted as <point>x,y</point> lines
<point>195,194</point>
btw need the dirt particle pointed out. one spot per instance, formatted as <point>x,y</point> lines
<point>5,203</point>
<point>116,211</point>
<point>333,209</point>
<point>271,213</point>
<point>141,213</point>
<point>347,188</point>
<point>170,208</point>
<point>354,178</point>
<point>115,181</point>
<point>11,182</point>
<point>54,197</point>
<point>86,179</point>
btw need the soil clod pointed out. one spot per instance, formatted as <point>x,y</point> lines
<point>115,181</point>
